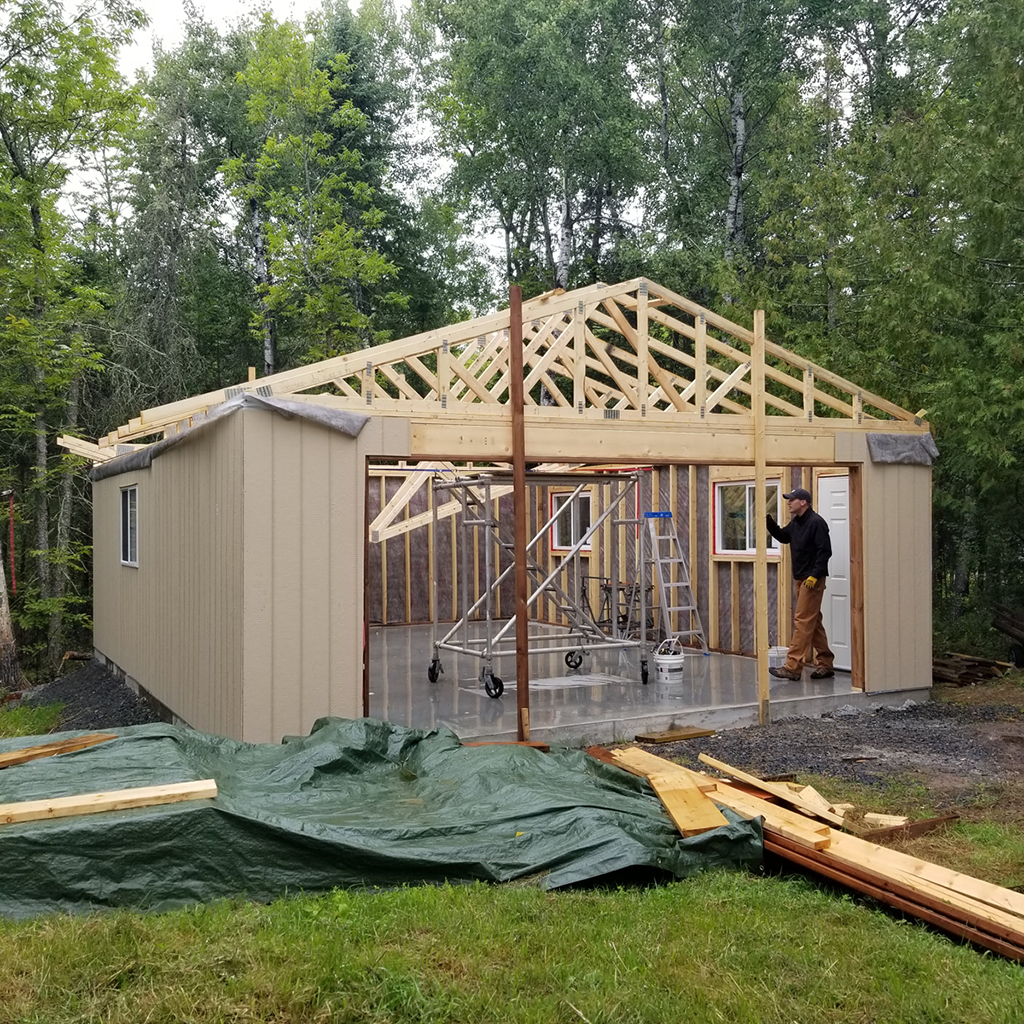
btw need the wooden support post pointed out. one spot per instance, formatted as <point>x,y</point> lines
<point>857,577</point>
<point>734,607</point>
<point>515,348</point>
<point>252,374</point>
<point>691,492</point>
<point>643,377</point>
<point>700,371</point>
<point>366,586</point>
<point>760,511</point>
<point>579,355</point>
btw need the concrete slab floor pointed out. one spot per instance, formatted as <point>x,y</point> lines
<point>602,701</point>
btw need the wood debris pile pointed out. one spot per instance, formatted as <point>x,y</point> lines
<point>800,826</point>
<point>964,670</point>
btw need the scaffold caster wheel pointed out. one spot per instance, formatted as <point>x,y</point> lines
<point>574,659</point>
<point>643,672</point>
<point>493,686</point>
<point>434,670</point>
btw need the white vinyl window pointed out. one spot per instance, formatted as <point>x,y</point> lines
<point>129,526</point>
<point>573,520</point>
<point>734,517</point>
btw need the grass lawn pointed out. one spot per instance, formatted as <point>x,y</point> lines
<point>28,721</point>
<point>720,947</point>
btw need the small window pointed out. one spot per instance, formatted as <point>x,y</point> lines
<point>572,523</point>
<point>734,517</point>
<point>129,526</point>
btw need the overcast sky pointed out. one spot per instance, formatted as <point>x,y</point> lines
<point>166,18</point>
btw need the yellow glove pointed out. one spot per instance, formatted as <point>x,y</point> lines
<point>811,582</point>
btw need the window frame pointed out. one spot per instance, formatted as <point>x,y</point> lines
<point>128,515</point>
<point>554,537</point>
<point>774,548</point>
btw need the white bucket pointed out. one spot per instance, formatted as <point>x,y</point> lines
<point>668,662</point>
<point>777,656</point>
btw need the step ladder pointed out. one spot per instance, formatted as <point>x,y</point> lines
<point>675,595</point>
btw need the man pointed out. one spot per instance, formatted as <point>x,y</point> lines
<point>807,535</point>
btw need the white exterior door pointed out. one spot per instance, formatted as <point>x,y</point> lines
<point>834,507</point>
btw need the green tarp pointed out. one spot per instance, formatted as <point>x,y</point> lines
<point>356,803</point>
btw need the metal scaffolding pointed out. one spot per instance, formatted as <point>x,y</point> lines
<point>584,632</point>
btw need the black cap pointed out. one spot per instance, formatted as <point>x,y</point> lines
<point>799,493</point>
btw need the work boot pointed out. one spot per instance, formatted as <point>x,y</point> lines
<point>783,673</point>
<point>822,672</point>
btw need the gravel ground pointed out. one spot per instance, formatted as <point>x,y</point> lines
<point>972,743</point>
<point>92,699</point>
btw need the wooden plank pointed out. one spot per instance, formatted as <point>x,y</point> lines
<point>23,754</point>
<point>640,762</point>
<point>886,820</point>
<point>894,863</point>
<point>536,744</point>
<point>727,385</point>
<point>700,372</point>
<point>621,324</point>
<point>778,789</point>
<point>734,607</point>
<point>416,477</point>
<point>775,815</point>
<point>116,800</point>
<point>891,893</point>
<point>692,812</point>
<point>684,732</point>
<point>579,371</point>
<point>912,829</point>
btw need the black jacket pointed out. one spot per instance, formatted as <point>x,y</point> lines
<point>808,537</point>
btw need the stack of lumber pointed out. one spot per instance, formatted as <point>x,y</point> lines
<point>964,670</point>
<point>801,832</point>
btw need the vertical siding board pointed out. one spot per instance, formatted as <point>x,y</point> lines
<point>315,631</point>
<point>257,571</point>
<point>286,590</point>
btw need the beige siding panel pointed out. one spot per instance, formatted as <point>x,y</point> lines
<point>304,529</point>
<point>897,576</point>
<point>258,696</point>
<point>174,623</point>
<point>317,581</point>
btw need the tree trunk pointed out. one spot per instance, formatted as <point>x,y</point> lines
<point>735,227</point>
<point>566,236</point>
<point>55,639</point>
<point>10,673</point>
<point>264,280</point>
<point>42,495</point>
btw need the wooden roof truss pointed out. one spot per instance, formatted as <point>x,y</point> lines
<point>634,350</point>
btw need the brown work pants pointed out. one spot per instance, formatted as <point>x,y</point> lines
<point>808,630</point>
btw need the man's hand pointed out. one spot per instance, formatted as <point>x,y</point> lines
<point>770,520</point>
<point>811,582</point>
